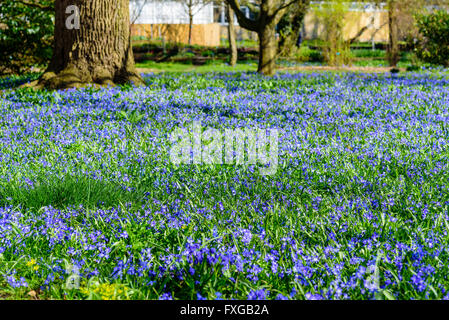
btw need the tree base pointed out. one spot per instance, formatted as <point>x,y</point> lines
<point>74,78</point>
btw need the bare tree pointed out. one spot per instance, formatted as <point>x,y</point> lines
<point>393,46</point>
<point>231,36</point>
<point>137,9</point>
<point>192,8</point>
<point>269,12</point>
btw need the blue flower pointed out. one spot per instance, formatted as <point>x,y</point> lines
<point>261,294</point>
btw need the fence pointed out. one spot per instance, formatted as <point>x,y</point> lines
<point>202,34</point>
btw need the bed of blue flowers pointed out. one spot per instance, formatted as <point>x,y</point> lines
<point>92,208</point>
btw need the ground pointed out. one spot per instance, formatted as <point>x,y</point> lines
<point>356,208</point>
<point>245,67</point>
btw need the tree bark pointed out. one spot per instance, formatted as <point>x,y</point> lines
<point>190,28</point>
<point>231,37</point>
<point>393,47</point>
<point>267,49</point>
<point>98,52</point>
<point>190,13</point>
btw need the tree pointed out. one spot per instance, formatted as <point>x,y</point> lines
<point>192,8</point>
<point>269,13</point>
<point>231,36</point>
<point>290,26</point>
<point>332,16</point>
<point>402,22</point>
<point>97,50</point>
<point>393,46</point>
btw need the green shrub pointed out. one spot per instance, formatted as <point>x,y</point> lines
<point>289,27</point>
<point>26,35</point>
<point>305,54</point>
<point>433,46</point>
<point>331,15</point>
<point>188,54</point>
<point>368,53</point>
<point>413,68</point>
<point>208,53</point>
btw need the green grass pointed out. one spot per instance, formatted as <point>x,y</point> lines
<point>247,43</point>
<point>368,53</point>
<point>180,59</point>
<point>62,192</point>
<point>210,67</point>
<point>361,191</point>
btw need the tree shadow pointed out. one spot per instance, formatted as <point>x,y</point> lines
<point>15,81</point>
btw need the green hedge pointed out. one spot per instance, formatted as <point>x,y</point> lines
<point>433,46</point>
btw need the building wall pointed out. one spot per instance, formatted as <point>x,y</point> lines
<point>168,20</point>
<point>168,12</point>
<point>202,34</point>
<point>241,33</point>
<point>354,21</point>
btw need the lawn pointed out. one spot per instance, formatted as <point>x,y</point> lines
<point>357,209</point>
<point>214,66</point>
<point>304,58</point>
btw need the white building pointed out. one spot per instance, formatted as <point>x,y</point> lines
<point>169,12</point>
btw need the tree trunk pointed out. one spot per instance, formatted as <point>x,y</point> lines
<point>270,13</point>
<point>98,52</point>
<point>393,47</point>
<point>290,26</point>
<point>231,37</point>
<point>190,24</point>
<point>267,50</point>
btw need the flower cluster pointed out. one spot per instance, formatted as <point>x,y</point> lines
<point>358,208</point>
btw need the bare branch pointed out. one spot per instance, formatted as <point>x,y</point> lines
<point>252,25</point>
<point>280,11</point>
<point>137,12</point>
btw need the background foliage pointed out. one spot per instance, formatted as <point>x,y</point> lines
<point>26,33</point>
<point>332,18</point>
<point>434,44</point>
